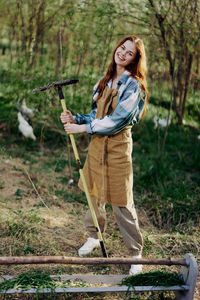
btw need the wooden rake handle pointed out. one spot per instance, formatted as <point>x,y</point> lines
<point>91,207</point>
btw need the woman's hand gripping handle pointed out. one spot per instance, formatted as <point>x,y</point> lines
<point>70,124</point>
<point>67,117</point>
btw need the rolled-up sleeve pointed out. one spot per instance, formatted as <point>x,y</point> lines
<point>86,118</point>
<point>128,111</point>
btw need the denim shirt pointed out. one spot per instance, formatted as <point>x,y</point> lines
<point>128,111</point>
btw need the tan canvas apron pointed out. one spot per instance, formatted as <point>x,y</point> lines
<point>108,167</point>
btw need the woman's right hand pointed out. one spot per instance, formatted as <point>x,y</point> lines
<point>67,117</point>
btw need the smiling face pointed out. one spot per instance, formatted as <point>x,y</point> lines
<point>125,53</point>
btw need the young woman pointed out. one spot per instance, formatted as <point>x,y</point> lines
<point>119,101</point>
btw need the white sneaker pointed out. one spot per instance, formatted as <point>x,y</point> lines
<point>88,247</point>
<point>135,269</point>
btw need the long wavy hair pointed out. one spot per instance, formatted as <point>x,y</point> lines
<point>137,69</point>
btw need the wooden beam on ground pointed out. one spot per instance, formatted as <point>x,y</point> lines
<point>20,260</point>
<point>104,289</point>
<point>102,284</point>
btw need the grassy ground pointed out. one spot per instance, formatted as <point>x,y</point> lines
<point>42,214</point>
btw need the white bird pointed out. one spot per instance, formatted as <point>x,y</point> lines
<point>161,122</point>
<point>26,110</point>
<point>25,128</point>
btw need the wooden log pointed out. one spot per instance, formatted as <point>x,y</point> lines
<point>19,260</point>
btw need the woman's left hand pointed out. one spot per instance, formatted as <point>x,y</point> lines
<point>74,128</point>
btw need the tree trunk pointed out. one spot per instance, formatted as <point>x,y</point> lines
<point>196,78</point>
<point>187,82</point>
<point>39,31</point>
<point>59,60</point>
<point>31,29</point>
<point>182,83</point>
<point>22,29</point>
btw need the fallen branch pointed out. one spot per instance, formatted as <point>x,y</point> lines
<point>18,260</point>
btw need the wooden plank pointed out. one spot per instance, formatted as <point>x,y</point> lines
<point>97,289</point>
<point>18,260</point>
<point>111,280</point>
<point>92,279</point>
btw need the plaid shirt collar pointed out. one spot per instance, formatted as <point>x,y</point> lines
<point>123,79</point>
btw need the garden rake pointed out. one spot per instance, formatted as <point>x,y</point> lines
<point>58,86</point>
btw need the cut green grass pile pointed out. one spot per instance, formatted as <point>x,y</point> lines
<point>154,278</point>
<point>27,281</point>
<point>38,281</point>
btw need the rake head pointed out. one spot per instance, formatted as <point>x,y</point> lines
<point>57,84</point>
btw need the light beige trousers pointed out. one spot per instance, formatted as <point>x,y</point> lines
<point>126,219</point>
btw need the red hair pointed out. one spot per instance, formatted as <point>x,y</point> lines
<point>137,68</point>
